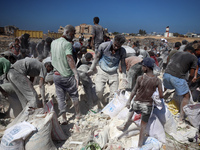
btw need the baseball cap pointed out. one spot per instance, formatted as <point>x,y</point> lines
<point>148,62</point>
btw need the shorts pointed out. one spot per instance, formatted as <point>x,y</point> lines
<point>142,108</point>
<point>171,82</point>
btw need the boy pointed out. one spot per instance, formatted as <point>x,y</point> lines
<point>145,87</point>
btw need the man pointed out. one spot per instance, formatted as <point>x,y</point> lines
<point>108,56</point>
<point>184,43</point>
<point>40,47</point>
<point>134,69</point>
<point>4,68</point>
<point>175,74</point>
<point>23,85</point>
<point>47,47</point>
<point>97,34</point>
<point>164,51</point>
<point>65,76</point>
<point>176,48</point>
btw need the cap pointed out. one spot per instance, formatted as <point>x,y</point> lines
<point>77,45</point>
<point>148,62</point>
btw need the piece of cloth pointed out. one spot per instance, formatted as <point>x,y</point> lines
<point>30,67</point>
<point>63,85</point>
<point>180,63</point>
<point>4,66</point>
<point>110,62</point>
<point>134,72</point>
<point>143,108</point>
<point>171,82</point>
<point>146,86</point>
<point>102,78</point>
<point>97,31</point>
<point>59,49</point>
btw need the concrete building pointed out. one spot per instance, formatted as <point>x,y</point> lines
<point>9,30</point>
<point>84,28</point>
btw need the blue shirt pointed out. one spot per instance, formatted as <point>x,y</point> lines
<point>109,62</point>
<point>198,63</point>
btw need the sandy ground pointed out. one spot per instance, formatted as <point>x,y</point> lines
<point>79,131</point>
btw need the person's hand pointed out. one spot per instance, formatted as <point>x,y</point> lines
<point>128,104</point>
<point>77,80</point>
<point>123,83</point>
<point>90,72</point>
<point>194,79</point>
<point>5,94</point>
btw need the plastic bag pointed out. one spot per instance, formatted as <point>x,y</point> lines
<point>117,104</point>
<point>166,118</point>
<point>155,129</point>
<point>193,114</point>
<point>156,70</point>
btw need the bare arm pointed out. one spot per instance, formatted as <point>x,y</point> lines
<point>195,74</point>
<point>92,42</point>
<point>133,92</point>
<point>72,65</point>
<point>192,72</point>
<point>94,63</point>
<point>160,89</point>
<point>3,92</point>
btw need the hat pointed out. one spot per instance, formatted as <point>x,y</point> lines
<point>148,62</point>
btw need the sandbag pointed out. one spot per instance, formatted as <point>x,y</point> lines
<point>192,112</point>
<point>41,139</point>
<point>57,132</point>
<point>123,114</point>
<point>155,129</point>
<point>166,118</point>
<point>26,115</point>
<point>13,138</point>
<point>116,104</point>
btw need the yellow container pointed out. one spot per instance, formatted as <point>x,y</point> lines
<point>33,34</point>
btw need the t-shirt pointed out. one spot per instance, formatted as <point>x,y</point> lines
<point>146,86</point>
<point>180,63</point>
<point>30,67</point>
<point>110,62</point>
<point>59,49</point>
<point>98,33</point>
<point>130,61</point>
<point>172,53</point>
<point>143,53</point>
<point>4,66</point>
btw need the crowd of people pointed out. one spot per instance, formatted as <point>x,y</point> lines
<point>65,63</point>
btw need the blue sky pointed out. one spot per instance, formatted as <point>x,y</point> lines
<point>121,16</point>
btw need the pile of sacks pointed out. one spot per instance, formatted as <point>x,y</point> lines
<point>33,129</point>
